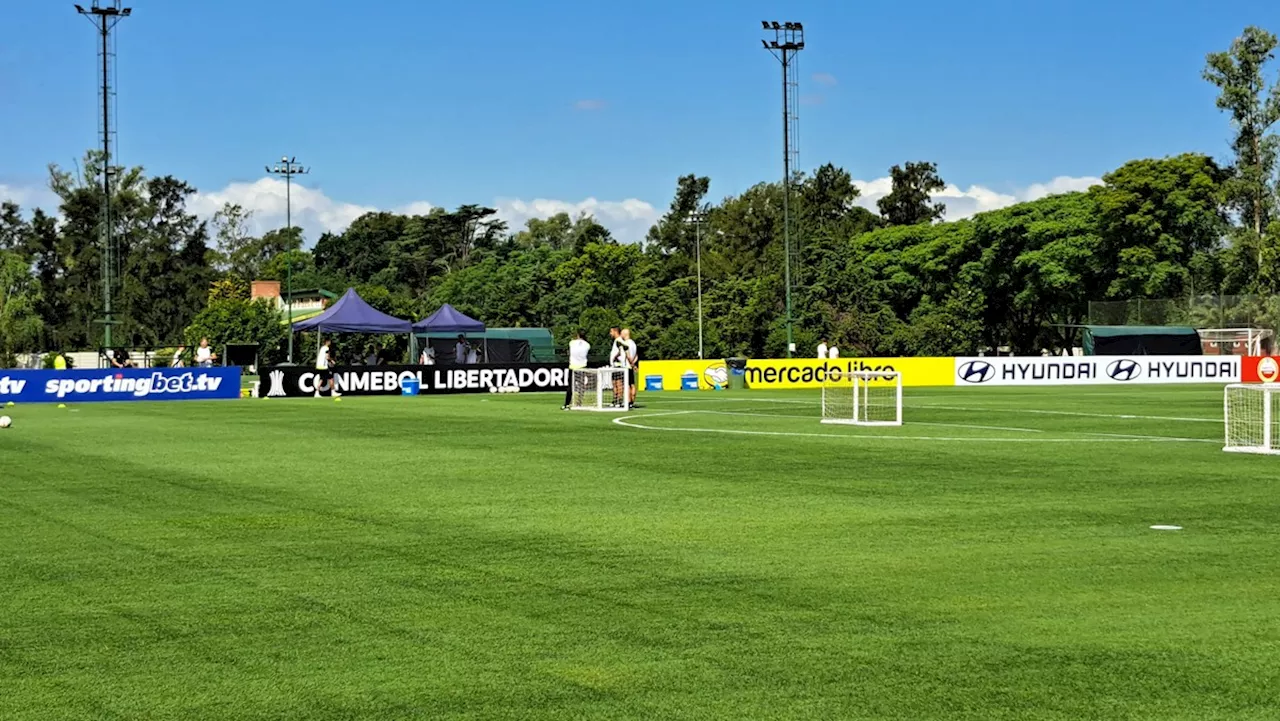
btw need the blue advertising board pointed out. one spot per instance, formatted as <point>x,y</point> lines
<point>119,384</point>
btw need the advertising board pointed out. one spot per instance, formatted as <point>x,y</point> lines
<point>119,384</point>
<point>1260,369</point>
<point>295,382</point>
<point>792,373</point>
<point>1095,370</point>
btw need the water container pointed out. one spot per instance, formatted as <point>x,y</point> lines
<point>653,383</point>
<point>689,381</point>
<point>409,387</point>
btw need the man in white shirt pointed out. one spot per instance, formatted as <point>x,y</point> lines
<point>323,374</point>
<point>460,350</point>
<point>204,354</point>
<point>833,352</point>
<point>617,351</point>
<point>177,357</point>
<point>578,351</point>
<point>632,359</point>
<point>822,349</point>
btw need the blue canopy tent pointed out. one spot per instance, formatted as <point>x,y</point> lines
<point>447,319</point>
<point>351,314</point>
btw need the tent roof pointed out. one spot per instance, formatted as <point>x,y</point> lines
<point>351,314</point>
<point>1111,331</point>
<point>448,320</point>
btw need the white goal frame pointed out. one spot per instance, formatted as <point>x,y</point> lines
<point>837,389</point>
<point>1249,418</point>
<point>1252,339</point>
<point>588,388</point>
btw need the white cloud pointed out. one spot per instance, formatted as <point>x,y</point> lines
<point>825,79</point>
<point>30,196</point>
<point>963,203</point>
<point>589,104</point>
<point>628,219</point>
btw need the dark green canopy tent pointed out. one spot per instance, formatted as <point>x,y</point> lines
<point>1141,340</point>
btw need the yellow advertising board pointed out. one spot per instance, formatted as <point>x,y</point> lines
<point>791,373</point>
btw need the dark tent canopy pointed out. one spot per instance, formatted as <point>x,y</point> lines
<point>351,314</point>
<point>448,320</point>
<point>1141,340</point>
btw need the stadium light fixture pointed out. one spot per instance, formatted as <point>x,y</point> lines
<point>787,40</point>
<point>697,218</point>
<point>288,167</point>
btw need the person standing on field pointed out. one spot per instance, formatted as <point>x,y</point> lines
<point>616,360</point>
<point>833,352</point>
<point>631,357</point>
<point>822,349</point>
<point>578,351</point>
<point>323,373</point>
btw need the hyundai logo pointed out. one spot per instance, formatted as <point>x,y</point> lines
<point>976,371</point>
<point>1124,370</point>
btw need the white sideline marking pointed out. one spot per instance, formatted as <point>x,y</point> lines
<point>630,423</point>
<point>914,423</point>
<point>1121,416</point>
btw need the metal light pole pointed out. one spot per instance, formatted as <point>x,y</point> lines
<point>788,39</point>
<point>288,167</point>
<point>697,218</point>
<point>105,16</point>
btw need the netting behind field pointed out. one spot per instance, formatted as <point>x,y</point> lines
<point>1251,421</point>
<point>599,389</point>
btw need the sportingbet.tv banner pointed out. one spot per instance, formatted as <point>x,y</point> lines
<point>792,373</point>
<point>296,382</point>
<point>119,384</point>
<point>1096,370</point>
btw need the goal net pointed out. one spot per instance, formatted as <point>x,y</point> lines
<point>1234,341</point>
<point>599,389</point>
<point>1249,412</point>
<point>863,398</point>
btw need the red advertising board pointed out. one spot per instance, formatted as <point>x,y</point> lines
<point>1260,369</point>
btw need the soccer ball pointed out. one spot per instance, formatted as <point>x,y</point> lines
<point>493,389</point>
<point>5,421</point>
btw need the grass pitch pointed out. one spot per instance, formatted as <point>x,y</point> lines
<point>721,556</point>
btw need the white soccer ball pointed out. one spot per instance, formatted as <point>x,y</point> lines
<point>5,421</point>
<point>493,389</point>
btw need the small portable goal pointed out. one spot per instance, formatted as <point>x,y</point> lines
<point>599,389</point>
<point>863,398</point>
<point>1249,414</point>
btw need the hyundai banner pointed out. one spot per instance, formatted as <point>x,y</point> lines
<point>1095,370</point>
<point>119,384</point>
<point>294,381</point>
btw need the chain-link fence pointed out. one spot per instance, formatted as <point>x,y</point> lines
<point>1204,311</point>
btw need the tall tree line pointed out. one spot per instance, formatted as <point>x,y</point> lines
<point>897,282</point>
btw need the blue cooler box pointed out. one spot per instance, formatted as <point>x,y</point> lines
<point>689,381</point>
<point>653,383</point>
<point>409,387</point>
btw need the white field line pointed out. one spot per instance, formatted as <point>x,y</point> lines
<point>914,423</point>
<point>631,423</point>
<point>1121,416</point>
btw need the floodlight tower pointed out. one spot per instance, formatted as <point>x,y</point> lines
<point>288,167</point>
<point>697,218</point>
<point>105,14</point>
<point>788,39</point>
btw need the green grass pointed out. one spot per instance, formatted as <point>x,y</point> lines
<point>491,557</point>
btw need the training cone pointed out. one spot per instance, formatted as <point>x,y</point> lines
<point>10,404</point>
<point>62,405</point>
<point>337,400</point>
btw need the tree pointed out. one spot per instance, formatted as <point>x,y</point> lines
<point>20,322</point>
<point>1239,74</point>
<point>908,203</point>
<point>231,237</point>
<point>241,321</point>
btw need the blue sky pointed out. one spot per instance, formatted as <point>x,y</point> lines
<point>407,102</point>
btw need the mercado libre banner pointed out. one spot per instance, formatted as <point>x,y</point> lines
<point>295,381</point>
<point>788,373</point>
<point>119,384</point>
<point>1096,370</point>
<point>1260,369</point>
